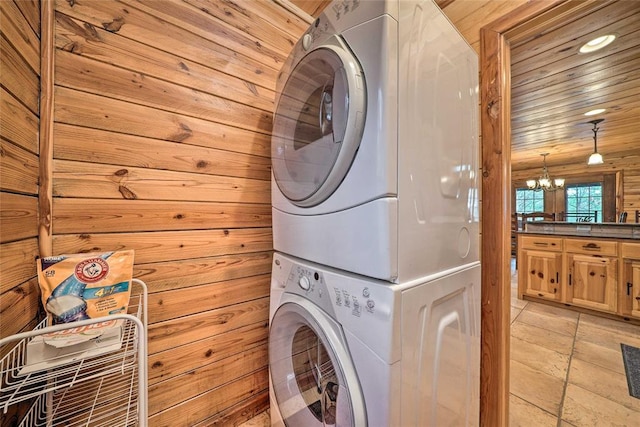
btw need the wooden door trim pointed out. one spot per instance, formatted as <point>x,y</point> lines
<point>495,88</point>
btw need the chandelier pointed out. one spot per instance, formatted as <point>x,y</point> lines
<point>545,182</point>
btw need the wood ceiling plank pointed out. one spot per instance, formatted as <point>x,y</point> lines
<point>551,20</point>
<point>553,87</point>
<point>617,141</point>
<point>601,16</point>
<point>566,55</point>
<point>579,100</point>
<point>606,77</point>
<point>565,126</point>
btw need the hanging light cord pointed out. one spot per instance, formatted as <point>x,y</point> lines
<point>595,136</point>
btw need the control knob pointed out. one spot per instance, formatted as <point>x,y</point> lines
<point>304,283</point>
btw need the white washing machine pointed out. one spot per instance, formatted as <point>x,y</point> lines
<point>374,147</point>
<point>348,351</point>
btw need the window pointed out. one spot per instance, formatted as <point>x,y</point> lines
<point>582,201</point>
<point>528,201</point>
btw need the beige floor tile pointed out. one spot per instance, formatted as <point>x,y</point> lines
<point>547,321</point>
<point>605,338</point>
<point>524,414</point>
<point>618,326</point>
<point>553,310</point>
<point>540,358</point>
<point>560,343</point>
<point>515,312</point>
<point>538,388</point>
<point>518,303</point>
<point>598,355</point>
<point>583,408</point>
<point>608,384</point>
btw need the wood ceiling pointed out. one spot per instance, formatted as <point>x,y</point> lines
<point>553,85</point>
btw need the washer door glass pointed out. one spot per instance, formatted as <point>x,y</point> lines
<point>307,377</point>
<point>318,125</point>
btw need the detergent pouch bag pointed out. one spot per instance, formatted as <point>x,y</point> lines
<point>85,286</point>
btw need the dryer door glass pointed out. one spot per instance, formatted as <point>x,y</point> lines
<point>318,125</point>
<point>308,378</point>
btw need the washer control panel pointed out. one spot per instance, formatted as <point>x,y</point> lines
<point>310,283</point>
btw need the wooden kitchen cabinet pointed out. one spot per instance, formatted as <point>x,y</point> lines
<point>594,267</point>
<point>592,273</point>
<point>629,288</point>
<point>540,267</point>
<point>592,282</point>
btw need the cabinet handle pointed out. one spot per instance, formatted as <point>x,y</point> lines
<point>591,247</point>
<point>569,279</point>
<point>541,243</point>
<point>629,286</point>
<point>557,278</point>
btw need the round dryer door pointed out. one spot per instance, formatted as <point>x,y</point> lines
<point>312,374</point>
<point>318,124</point>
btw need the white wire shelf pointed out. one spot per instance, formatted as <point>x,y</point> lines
<point>82,388</point>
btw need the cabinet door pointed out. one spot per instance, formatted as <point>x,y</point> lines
<point>631,288</point>
<point>592,282</point>
<point>540,273</point>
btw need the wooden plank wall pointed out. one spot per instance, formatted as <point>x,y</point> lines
<point>161,134</point>
<point>162,120</point>
<point>19,86</point>
<point>19,163</point>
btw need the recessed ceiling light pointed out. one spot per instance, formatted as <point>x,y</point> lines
<point>597,43</point>
<point>594,112</point>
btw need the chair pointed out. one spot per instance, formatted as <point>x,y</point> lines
<point>518,222</point>
<point>537,216</point>
<point>623,217</point>
<point>516,225</point>
<point>579,216</point>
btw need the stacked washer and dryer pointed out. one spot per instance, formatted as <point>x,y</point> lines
<point>375,291</point>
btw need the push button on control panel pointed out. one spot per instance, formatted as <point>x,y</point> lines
<point>306,41</point>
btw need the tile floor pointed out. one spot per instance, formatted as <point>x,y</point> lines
<point>566,369</point>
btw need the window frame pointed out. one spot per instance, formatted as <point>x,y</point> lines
<point>535,199</point>
<point>590,184</point>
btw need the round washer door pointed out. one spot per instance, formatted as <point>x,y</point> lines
<point>312,375</point>
<point>318,124</point>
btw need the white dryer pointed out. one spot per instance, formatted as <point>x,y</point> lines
<point>348,351</point>
<point>374,147</point>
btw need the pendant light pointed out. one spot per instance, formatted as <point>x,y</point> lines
<point>595,158</point>
<point>545,182</point>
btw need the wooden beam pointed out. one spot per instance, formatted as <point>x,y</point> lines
<point>45,194</point>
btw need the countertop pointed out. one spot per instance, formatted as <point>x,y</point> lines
<point>610,230</point>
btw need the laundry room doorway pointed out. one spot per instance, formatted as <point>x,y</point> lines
<point>495,103</point>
